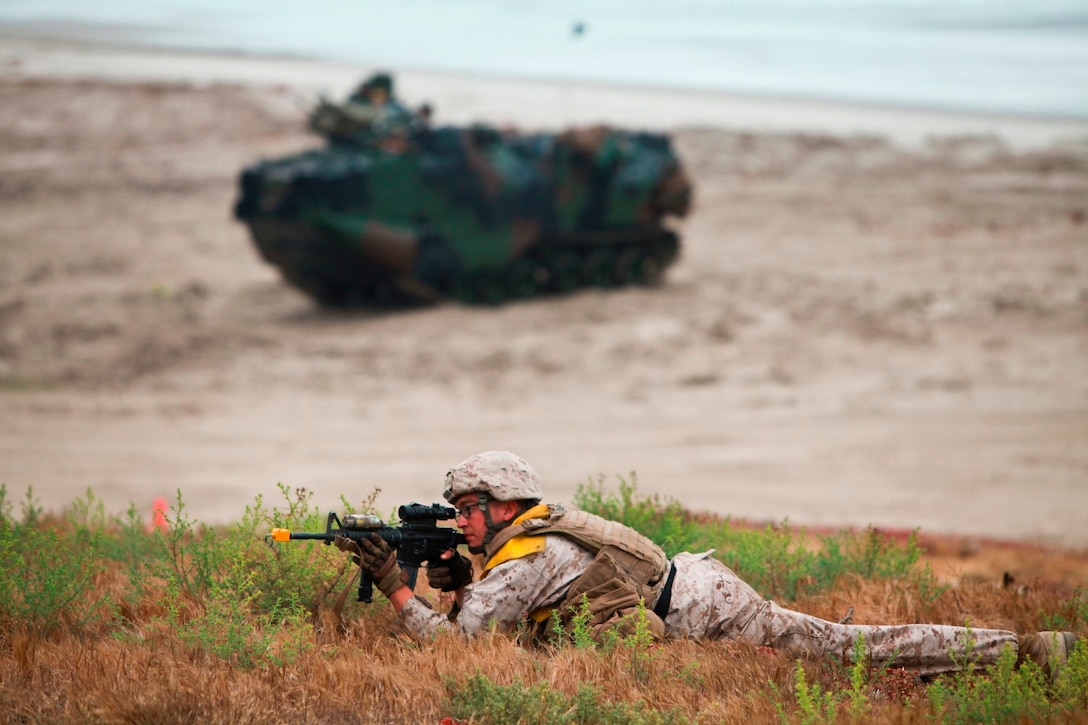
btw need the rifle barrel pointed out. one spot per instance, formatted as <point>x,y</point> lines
<point>287,535</point>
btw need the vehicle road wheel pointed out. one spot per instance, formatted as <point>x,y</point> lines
<point>481,287</point>
<point>564,273</point>
<point>635,267</point>
<point>522,279</point>
<point>492,287</point>
<point>600,270</point>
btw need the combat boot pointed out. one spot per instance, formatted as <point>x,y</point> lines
<point>1049,650</point>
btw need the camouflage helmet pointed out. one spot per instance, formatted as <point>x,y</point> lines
<point>501,475</point>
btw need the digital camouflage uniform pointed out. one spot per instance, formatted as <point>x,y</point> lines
<point>708,601</point>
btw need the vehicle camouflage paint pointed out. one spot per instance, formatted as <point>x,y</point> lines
<point>394,211</point>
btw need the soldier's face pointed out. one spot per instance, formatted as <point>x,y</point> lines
<point>472,521</point>
<point>474,525</point>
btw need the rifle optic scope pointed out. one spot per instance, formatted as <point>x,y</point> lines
<point>420,512</point>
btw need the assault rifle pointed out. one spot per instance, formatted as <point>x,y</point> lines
<point>418,539</point>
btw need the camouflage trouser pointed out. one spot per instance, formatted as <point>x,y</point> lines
<point>709,601</point>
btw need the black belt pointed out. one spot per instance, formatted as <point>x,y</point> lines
<point>664,599</point>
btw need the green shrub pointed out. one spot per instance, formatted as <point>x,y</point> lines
<point>1071,687</point>
<point>639,645</point>
<point>194,559</point>
<point>1071,617</point>
<point>860,680</point>
<point>46,574</point>
<point>228,627</point>
<point>664,521</point>
<point>775,561</point>
<point>778,561</point>
<point>1003,694</point>
<point>482,701</point>
<point>192,556</point>
<point>578,632</point>
<point>297,574</point>
<point>813,704</point>
<point>126,540</point>
<point>224,628</point>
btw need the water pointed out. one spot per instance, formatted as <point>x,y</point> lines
<point>997,56</point>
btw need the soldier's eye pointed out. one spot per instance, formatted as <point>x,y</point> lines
<point>466,510</point>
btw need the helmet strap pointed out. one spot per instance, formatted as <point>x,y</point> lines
<point>492,527</point>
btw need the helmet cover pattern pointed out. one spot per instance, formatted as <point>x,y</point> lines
<point>502,475</point>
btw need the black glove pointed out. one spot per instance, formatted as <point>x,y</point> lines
<point>451,574</point>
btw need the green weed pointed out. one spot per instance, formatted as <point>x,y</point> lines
<point>813,703</point>
<point>296,574</point>
<point>224,628</point>
<point>46,575</point>
<point>126,540</point>
<point>1073,615</point>
<point>779,561</point>
<point>1004,694</point>
<point>637,645</point>
<point>664,521</point>
<point>578,631</point>
<point>640,645</point>
<point>1071,687</point>
<point>191,555</point>
<point>857,697</point>
<point>480,700</point>
<point>195,559</point>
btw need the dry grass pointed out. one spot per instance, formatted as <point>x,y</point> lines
<point>131,668</point>
<point>367,675</point>
<point>145,642</point>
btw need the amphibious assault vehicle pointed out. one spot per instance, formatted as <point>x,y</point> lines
<point>392,210</point>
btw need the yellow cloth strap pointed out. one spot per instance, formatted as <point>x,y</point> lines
<point>521,545</point>
<point>541,614</point>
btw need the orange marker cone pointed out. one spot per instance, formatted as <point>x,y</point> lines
<point>159,507</point>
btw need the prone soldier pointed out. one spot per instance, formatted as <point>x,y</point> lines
<point>542,562</point>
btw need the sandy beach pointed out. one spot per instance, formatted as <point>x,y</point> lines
<point>879,317</point>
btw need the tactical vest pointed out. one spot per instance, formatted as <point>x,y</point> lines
<point>640,558</point>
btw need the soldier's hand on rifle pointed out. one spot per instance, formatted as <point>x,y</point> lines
<point>380,562</point>
<point>451,572</point>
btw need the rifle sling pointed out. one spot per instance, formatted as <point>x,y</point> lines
<point>661,608</point>
<point>340,600</point>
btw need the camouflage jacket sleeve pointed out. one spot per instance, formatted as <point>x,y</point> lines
<point>508,593</point>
